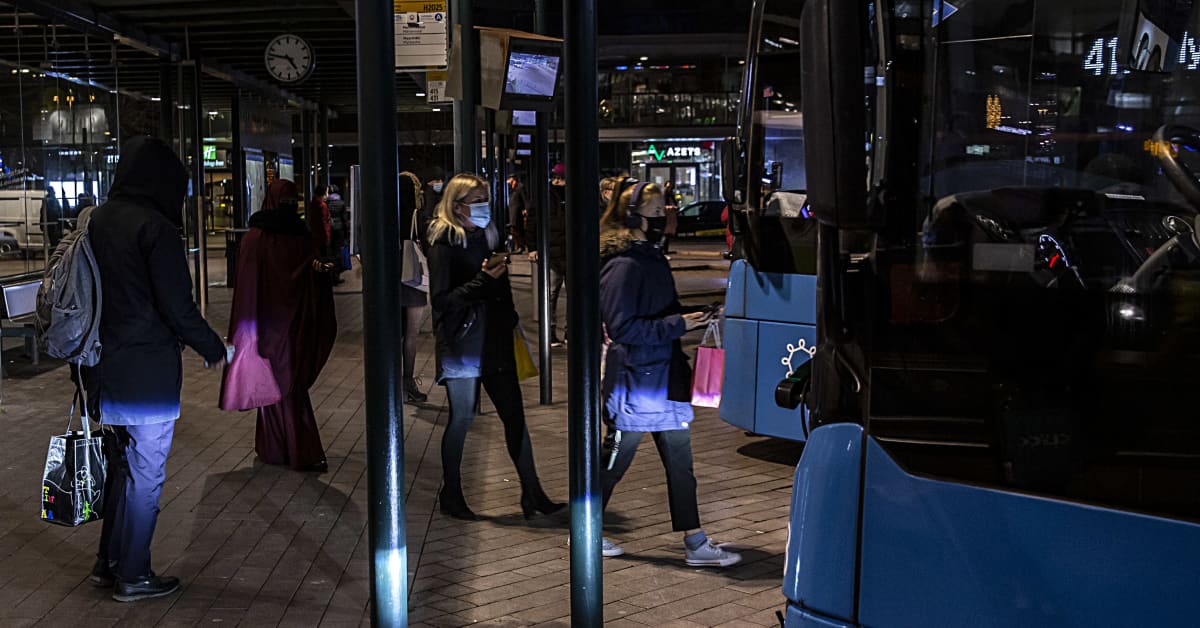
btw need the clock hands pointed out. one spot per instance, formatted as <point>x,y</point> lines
<point>289,60</point>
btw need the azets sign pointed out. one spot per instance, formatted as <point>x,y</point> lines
<point>675,152</point>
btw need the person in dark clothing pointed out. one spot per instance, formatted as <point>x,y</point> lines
<point>414,301</point>
<point>320,224</point>
<point>671,221</point>
<point>339,232</point>
<point>435,180</point>
<point>556,256</point>
<point>518,212</point>
<point>147,317</point>
<point>283,324</point>
<point>474,322</point>
<point>643,318</point>
<point>52,215</point>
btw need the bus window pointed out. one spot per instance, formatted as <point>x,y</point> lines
<point>1052,294</point>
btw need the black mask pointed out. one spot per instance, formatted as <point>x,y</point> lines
<point>654,229</point>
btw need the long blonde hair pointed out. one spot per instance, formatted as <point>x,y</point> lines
<point>618,206</point>
<point>445,222</point>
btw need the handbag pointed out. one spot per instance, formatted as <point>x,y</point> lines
<point>414,271</point>
<point>710,369</point>
<point>525,366</point>
<point>679,375</point>
<point>76,469</point>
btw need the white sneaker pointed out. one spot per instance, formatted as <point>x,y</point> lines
<point>610,549</point>
<point>710,555</point>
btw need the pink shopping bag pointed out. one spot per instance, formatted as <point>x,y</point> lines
<point>710,369</point>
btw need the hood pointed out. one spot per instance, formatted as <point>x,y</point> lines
<point>279,192</point>
<point>150,172</point>
<point>614,242</point>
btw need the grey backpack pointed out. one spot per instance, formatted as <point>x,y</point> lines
<point>70,299</point>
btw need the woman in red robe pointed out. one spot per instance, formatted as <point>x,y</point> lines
<point>282,326</point>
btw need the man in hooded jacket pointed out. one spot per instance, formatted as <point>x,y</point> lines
<point>147,318</point>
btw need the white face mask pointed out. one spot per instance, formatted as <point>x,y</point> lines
<point>481,214</point>
<point>437,187</point>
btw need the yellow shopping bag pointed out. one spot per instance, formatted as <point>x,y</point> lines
<point>525,366</point>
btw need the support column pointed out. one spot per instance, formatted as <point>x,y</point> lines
<point>583,310</point>
<point>538,179</point>
<point>197,140</point>
<point>382,340</point>
<point>303,161</point>
<point>241,217</point>
<point>166,103</point>
<point>323,176</point>
<point>466,136</point>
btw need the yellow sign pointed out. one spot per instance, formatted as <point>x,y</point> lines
<point>418,6</point>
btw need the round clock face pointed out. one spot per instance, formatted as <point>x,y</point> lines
<point>289,58</point>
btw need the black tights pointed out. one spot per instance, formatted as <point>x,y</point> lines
<point>505,393</point>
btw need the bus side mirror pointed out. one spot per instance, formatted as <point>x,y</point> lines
<point>733,172</point>
<point>835,111</point>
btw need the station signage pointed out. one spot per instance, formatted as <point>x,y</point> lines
<point>421,34</point>
<point>435,88</point>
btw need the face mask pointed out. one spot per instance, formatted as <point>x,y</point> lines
<point>437,187</point>
<point>481,214</point>
<point>654,229</point>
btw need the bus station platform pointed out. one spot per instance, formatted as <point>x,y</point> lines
<point>258,545</point>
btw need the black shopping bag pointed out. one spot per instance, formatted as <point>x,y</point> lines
<point>76,468</point>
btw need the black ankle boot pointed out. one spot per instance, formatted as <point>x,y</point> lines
<point>453,504</point>
<point>534,500</point>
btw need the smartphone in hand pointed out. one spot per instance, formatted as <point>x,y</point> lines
<point>497,259</point>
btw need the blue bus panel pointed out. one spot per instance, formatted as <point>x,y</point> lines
<point>770,329</point>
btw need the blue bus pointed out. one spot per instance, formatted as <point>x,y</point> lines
<point>1006,305</point>
<point>770,302</point>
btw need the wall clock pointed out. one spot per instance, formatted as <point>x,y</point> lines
<point>289,59</point>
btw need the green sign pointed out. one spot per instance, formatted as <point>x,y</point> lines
<point>210,152</point>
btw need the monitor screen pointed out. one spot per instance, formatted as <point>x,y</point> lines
<point>524,118</point>
<point>524,138</point>
<point>524,152</point>
<point>531,74</point>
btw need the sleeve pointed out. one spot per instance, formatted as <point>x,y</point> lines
<point>620,283</point>
<point>445,297</point>
<point>169,280</point>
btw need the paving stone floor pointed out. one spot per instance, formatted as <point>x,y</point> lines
<point>257,545</point>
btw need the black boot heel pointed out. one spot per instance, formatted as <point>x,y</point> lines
<point>455,505</point>
<point>534,502</point>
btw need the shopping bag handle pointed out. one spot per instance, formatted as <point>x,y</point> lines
<point>713,330</point>
<point>80,400</point>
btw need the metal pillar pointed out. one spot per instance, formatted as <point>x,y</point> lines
<point>166,104</point>
<point>538,178</point>
<point>583,310</point>
<point>237,161</point>
<point>198,186</point>
<point>303,162</point>
<point>324,160</point>
<point>382,340</point>
<point>466,136</point>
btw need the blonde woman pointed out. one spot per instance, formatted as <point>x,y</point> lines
<point>473,321</point>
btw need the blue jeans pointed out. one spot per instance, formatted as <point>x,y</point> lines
<point>137,471</point>
<point>505,392</point>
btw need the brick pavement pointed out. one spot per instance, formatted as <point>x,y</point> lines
<point>257,545</point>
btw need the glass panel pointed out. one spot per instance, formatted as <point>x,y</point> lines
<point>1044,327</point>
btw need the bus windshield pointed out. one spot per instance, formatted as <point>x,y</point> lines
<point>1037,311</point>
<point>782,237</point>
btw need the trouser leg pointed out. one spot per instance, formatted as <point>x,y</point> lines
<point>675,450</point>
<point>147,451</point>
<point>557,278</point>
<point>505,392</point>
<point>462,394</point>
<point>114,496</point>
<point>625,451</point>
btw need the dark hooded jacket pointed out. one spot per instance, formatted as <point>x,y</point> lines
<point>641,313</point>
<point>557,218</point>
<point>148,314</point>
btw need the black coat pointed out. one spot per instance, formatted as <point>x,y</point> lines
<point>557,214</point>
<point>473,313</point>
<point>148,313</point>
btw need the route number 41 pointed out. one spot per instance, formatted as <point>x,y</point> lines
<point>1103,53</point>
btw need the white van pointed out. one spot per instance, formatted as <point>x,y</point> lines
<point>20,220</point>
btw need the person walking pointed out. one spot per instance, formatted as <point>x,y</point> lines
<point>643,318</point>
<point>474,322</point>
<point>415,302</point>
<point>518,211</point>
<point>147,316</point>
<point>320,224</point>
<point>556,255</point>
<point>283,326</point>
<point>670,224</point>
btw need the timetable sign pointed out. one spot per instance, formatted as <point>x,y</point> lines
<point>421,34</point>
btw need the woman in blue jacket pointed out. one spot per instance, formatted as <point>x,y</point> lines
<point>473,322</point>
<point>643,318</point>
